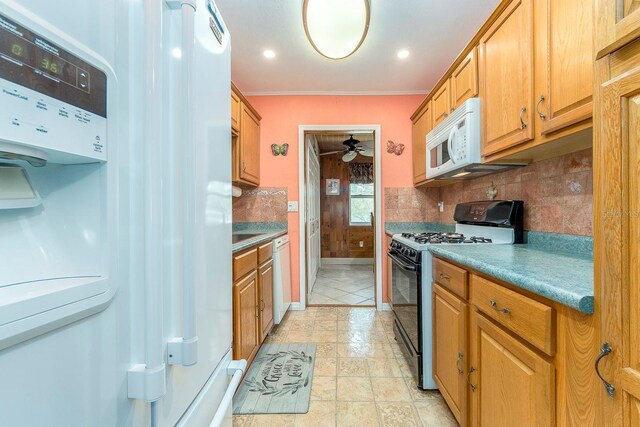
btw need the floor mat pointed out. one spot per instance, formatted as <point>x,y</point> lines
<point>278,381</point>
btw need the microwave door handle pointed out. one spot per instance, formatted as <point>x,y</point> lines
<point>450,143</point>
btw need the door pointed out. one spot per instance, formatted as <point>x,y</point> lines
<point>313,215</point>
<point>617,153</point>
<point>510,384</point>
<point>564,51</point>
<point>506,76</point>
<point>450,350</point>
<point>464,80</point>
<point>441,103</point>
<point>618,23</point>
<point>246,310</point>
<point>420,129</point>
<point>265,281</point>
<point>249,146</point>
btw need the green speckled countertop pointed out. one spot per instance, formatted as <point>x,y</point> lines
<point>557,267</point>
<point>267,230</point>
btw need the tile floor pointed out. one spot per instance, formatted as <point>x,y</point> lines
<point>360,376</point>
<point>344,285</point>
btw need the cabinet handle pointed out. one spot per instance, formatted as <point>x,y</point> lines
<point>473,386</point>
<point>494,305</point>
<point>257,311</point>
<point>244,167</point>
<point>523,125</point>
<point>458,360</point>
<point>263,306</point>
<point>542,116</point>
<point>453,109</point>
<point>604,351</point>
<point>444,276</point>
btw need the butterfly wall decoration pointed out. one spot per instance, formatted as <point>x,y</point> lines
<point>279,149</point>
<point>393,148</point>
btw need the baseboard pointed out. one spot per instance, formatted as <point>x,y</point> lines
<point>386,306</point>
<point>346,261</point>
<point>295,306</point>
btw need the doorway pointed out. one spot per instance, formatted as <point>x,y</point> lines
<point>341,221</point>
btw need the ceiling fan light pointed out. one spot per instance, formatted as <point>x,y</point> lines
<point>336,28</point>
<point>349,156</point>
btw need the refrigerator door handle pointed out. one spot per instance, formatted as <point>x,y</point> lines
<point>236,370</point>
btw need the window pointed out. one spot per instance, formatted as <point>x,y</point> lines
<point>360,204</point>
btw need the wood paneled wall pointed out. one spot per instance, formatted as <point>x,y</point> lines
<point>339,239</point>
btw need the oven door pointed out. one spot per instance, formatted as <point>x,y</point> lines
<point>406,294</point>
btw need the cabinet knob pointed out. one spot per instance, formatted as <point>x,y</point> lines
<point>542,116</point>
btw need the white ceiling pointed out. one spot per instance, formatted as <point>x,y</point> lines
<point>434,31</point>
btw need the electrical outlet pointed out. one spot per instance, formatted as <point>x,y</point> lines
<point>361,244</point>
<point>441,206</point>
<point>292,206</point>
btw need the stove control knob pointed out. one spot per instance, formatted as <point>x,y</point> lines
<point>412,253</point>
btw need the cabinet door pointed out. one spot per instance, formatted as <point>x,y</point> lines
<point>245,317</point>
<point>618,23</point>
<point>265,280</point>
<point>249,146</point>
<point>441,102</point>
<point>511,385</point>
<point>564,63</point>
<point>464,80</point>
<point>421,127</point>
<point>235,112</point>
<point>506,79</point>
<point>617,289</point>
<point>450,350</point>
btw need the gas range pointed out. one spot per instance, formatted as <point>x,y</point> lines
<point>477,223</point>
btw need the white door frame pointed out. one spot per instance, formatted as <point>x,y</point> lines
<point>302,201</point>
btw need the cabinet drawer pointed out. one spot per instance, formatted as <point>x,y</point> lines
<point>531,320</point>
<point>265,252</point>
<point>244,263</point>
<point>451,277</point>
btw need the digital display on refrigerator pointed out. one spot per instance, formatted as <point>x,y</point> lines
<point>32,61</point>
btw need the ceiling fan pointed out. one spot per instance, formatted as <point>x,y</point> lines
<point>352,150</point>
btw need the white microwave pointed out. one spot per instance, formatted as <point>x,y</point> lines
<point>456,142</point>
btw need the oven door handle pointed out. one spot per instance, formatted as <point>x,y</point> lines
<point>403,265</point>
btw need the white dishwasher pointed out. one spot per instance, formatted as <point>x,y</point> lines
<point>281,278</point>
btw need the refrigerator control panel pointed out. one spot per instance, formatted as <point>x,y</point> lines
<point>50,99</point>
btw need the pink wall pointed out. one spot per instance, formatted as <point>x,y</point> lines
<point>281,116</point>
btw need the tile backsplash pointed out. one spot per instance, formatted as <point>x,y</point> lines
<point>263,204</point>
<point>557,193</point>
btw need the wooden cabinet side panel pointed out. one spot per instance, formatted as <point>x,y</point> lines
<point>420,129</point>
<point>506,76</point>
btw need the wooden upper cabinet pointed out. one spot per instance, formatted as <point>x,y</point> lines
<point>450,355</point>
<point>564,63</point>
<point>618,23</point>
<point>464,80</point>
<point>235,112</point>
<point>506,76</point>
<point>249,145</point>
<point>421,127</point>
<point>510,384</point>
<point>441,103</point>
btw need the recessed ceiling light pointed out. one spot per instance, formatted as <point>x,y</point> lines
<point>403,53</point>
<point>269,54</point>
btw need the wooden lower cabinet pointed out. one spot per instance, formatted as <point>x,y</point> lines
<point>245,317</point>
<point>265,286</point>
<point>450,355</point>
<point>511,385</point>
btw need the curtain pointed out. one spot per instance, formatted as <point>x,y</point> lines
<point>361,173</point>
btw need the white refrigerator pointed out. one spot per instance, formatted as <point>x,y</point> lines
<point>115,214</point>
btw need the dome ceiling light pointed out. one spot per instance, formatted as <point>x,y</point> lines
<point>336,28</point>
